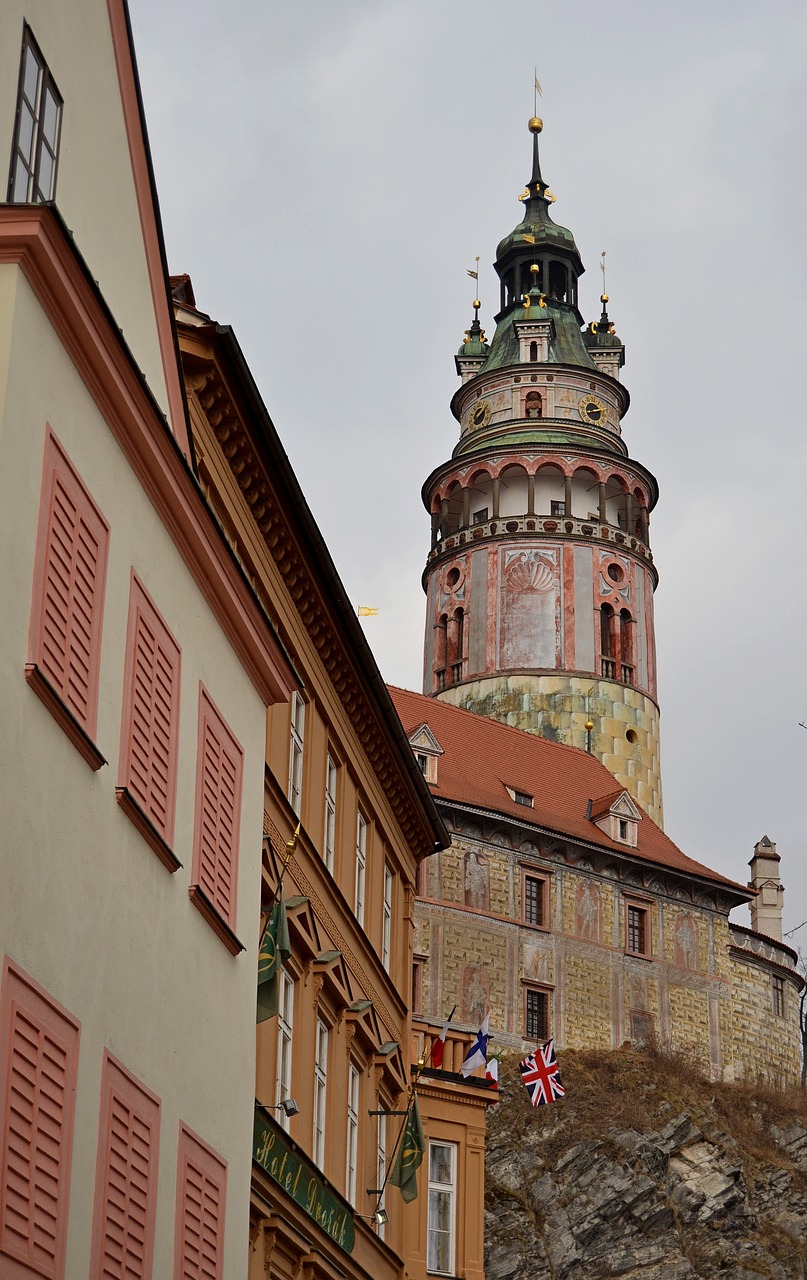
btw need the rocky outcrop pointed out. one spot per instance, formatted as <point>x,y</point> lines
<point>677,1178</point>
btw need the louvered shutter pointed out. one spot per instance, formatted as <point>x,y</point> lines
<point>69,583</point>
<point>200,1211</point>
<point>38,1090</point>
<point>218,810</point>
<point>149,748</point>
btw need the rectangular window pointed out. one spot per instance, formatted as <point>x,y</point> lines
<point>32,179</point>
<point>534,901</point>
<point>417,986</point>
<point>297,735</point>
<point>361,865</point>
<point>150,726</point>
<point>285,1027</point>
<point>536,1022</point>
<point>38,1059</point>
<point>637,929</point>
<point>352,1133</point>
<point>381,1160</point>
<point>320,1083</point>
<point>778,996</point>
<point>68,596</point>
<point>218,816</point>
<point>201,1195</point>
<point>329,842</point>
<point>386,928</point>
<point>557,508</point>
<point>480,516</point>
<point>441,1238</point>
<point>126,1175</point>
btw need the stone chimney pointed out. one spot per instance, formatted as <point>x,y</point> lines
<point>766,907</point>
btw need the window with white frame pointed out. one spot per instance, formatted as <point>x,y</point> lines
<point>441,1237</point>
<point>386,928</point>
<point>381,1160</point>
<point>32,179</point>
<point>285,1024</point>
<point>320,1082</point>
<point>361,865</point>
<point>329,840</point>
<point>352,1133</point>
<point>296,752</point>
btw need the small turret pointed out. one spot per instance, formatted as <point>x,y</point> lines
<point>766,907</point>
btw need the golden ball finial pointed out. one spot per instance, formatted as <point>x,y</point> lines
<point>603,297</point>
<point>589,725</point>
<point>476,304</point>
<point>535,269</point>
<point>535,125</point>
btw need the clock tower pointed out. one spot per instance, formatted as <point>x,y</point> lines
<point>540,578</point>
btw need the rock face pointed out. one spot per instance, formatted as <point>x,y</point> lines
<point>645,1171</point>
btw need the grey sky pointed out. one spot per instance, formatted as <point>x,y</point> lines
<point>327,171</point>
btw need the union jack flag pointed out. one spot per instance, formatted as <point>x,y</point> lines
<point>541,1078</point>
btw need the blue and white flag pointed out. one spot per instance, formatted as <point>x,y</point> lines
<point>477,1055</point>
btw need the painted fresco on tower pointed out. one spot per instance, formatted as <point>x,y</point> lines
<point>475,993</point>
<point>587,911</point>
<point>686,942</point>
<point>530,608</point>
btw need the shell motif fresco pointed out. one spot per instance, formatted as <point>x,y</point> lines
<point>529,571</point>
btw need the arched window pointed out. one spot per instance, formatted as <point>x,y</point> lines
<point>534,353</point>
<point>626,628</point>
<point>533,404</point>
<point>440,638</point>
<point>608,641</point>
<point>455,638</point>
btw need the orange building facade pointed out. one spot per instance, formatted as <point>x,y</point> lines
<point>348,821</point>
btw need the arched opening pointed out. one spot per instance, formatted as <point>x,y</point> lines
<point>558,278</point>
<point>615,495</point>
<point>585,494</point>
<point>480,505</point>
<point>608,641</point>
<point>455,639</point>
<point>550,492</point>
<point>533,360</point>
<point>513,492</point>
<point>626,630</point>
<point>440,646</point>
<point>507,289</point>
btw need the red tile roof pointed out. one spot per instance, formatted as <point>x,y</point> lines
<point>482,758</point>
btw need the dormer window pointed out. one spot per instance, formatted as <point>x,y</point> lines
<point>427,751</point>
<point>520,797</point>
<point>618,816</point>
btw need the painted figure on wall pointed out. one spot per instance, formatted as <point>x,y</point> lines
<point>588,912</point>
<point>686,942</point>
<point>477,881</point>
<point>474,993</point>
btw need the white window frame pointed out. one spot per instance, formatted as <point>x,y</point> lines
<point>361,866</point>
<point>381,1159</point>
<point>386,924</point>
<point>442,1193</point>
<point>320,1094</point>
<point>329,837</point>
<point>351,1164</point>
<point>296,743</point>
<point>285,1033</point>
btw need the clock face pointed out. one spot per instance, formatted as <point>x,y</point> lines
<point>592,410</point>
<point>480,414</point>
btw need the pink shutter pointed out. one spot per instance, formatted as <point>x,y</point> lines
<point>151,722</point>
<point>218,810</point>
<point>201,1189</point>
<point>39,1043</point>
<point>126,1177</point>
<point>69,582</point>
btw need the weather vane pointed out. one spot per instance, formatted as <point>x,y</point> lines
<point>602,269</point>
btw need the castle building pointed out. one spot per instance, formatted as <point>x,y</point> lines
<point>561,906</point>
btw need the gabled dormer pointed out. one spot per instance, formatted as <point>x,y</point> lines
<point>427,751</point>
<point>617,816</point>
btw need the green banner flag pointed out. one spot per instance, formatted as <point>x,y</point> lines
<point>410,1155</point>
<point>275,948</point>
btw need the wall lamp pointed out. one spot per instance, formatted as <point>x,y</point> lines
<point>288,1106</point>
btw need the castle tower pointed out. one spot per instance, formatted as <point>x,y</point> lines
<point>540,578</point>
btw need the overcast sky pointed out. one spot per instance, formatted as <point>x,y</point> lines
<point>329,169</point>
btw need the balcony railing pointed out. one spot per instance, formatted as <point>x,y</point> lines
<point>565,526</point>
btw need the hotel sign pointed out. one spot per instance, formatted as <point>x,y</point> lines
<point>291,1170</point>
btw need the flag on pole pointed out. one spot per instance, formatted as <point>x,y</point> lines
<point>275,948</point>
<point>538,88</point>
<point>366,611</point>
<point>438,1045</point>
<point>473,274</point>
<point>541,1076</point>
<point>478,1052</point>
<point>492,1072</point>
<point>410,1154</point>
